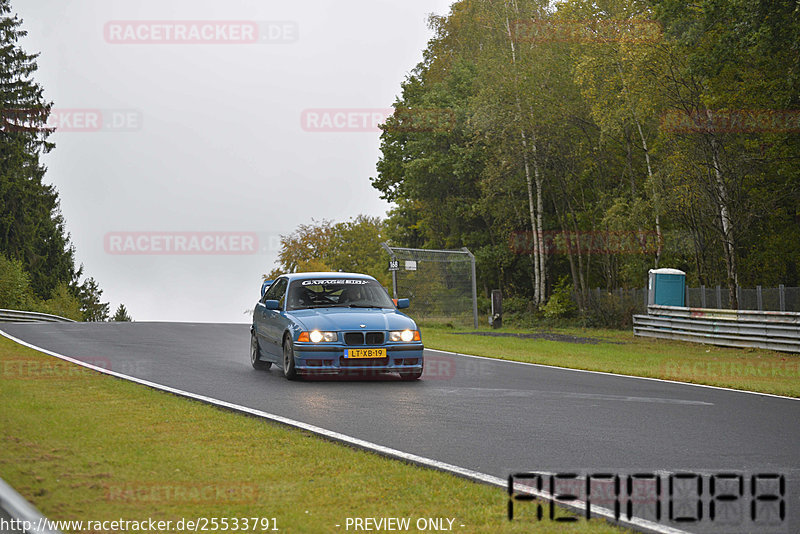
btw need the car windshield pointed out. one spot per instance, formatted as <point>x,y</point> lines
<point>337,292</point>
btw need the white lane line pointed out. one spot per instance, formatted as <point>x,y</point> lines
<point>615,374</point>
<point>362,444</point>
<point>535,393</point>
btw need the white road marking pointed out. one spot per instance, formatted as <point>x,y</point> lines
<point>538,393</point>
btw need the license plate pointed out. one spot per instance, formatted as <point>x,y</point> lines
<point>364,353</point>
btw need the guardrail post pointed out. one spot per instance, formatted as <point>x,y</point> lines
<point>474,288</point>
<point>392,257</point>
<point>759,300</point>
<point>719,298</point>
<point>702,295</point>
<point>782,297</point>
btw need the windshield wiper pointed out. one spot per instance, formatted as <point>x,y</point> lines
<point>365,306</point>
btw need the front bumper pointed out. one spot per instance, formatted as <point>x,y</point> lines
<point>328,358</point>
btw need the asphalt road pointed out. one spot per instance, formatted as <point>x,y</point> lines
<point>490,416</point>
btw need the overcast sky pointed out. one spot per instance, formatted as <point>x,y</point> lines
<point>194,133</point>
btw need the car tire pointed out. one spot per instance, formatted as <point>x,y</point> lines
<point>255,354</point>
<point>410,375</point>
<point>288,359</point>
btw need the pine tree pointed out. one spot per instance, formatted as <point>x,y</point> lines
<point>91,306</point>
<point>121,315</point>
<point>31,226</point>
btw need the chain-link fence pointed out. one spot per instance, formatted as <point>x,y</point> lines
<point>439,283</point>
<point>779,298</point>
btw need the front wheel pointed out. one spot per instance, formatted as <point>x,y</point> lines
<point>255,354</point>
<point>288,360</point>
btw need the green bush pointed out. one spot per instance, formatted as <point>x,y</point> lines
<point>517,305</point>
<point>560,304</point>
<point>15,285</point>
<point>62,303</point>
<point>16,293</point>
<point>609,311</point>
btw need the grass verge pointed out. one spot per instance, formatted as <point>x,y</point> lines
<point>621,352</point>
<point>83,446</point>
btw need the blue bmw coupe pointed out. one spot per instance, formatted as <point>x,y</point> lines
<point>333,323</point>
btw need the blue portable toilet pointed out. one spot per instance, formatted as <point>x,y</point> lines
<point>666,287</point>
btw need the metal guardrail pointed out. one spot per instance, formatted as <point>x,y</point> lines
<point>730,328</point>
<point>16,513</point>
<point>19,316</point>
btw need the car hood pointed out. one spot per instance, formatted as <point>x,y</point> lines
<point>331,319</point>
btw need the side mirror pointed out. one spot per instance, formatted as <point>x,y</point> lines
<point>265,286</point>
<point>272,304</point>
<point>403,303</point>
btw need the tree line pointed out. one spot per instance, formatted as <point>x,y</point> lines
<point>37,259</point>
<point>353,245</point>
<point>580,143</point>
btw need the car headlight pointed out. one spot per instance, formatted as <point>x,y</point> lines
<point>404,335</point>
<point>317,337</point>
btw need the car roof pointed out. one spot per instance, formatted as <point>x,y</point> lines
<point>306,276</point>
